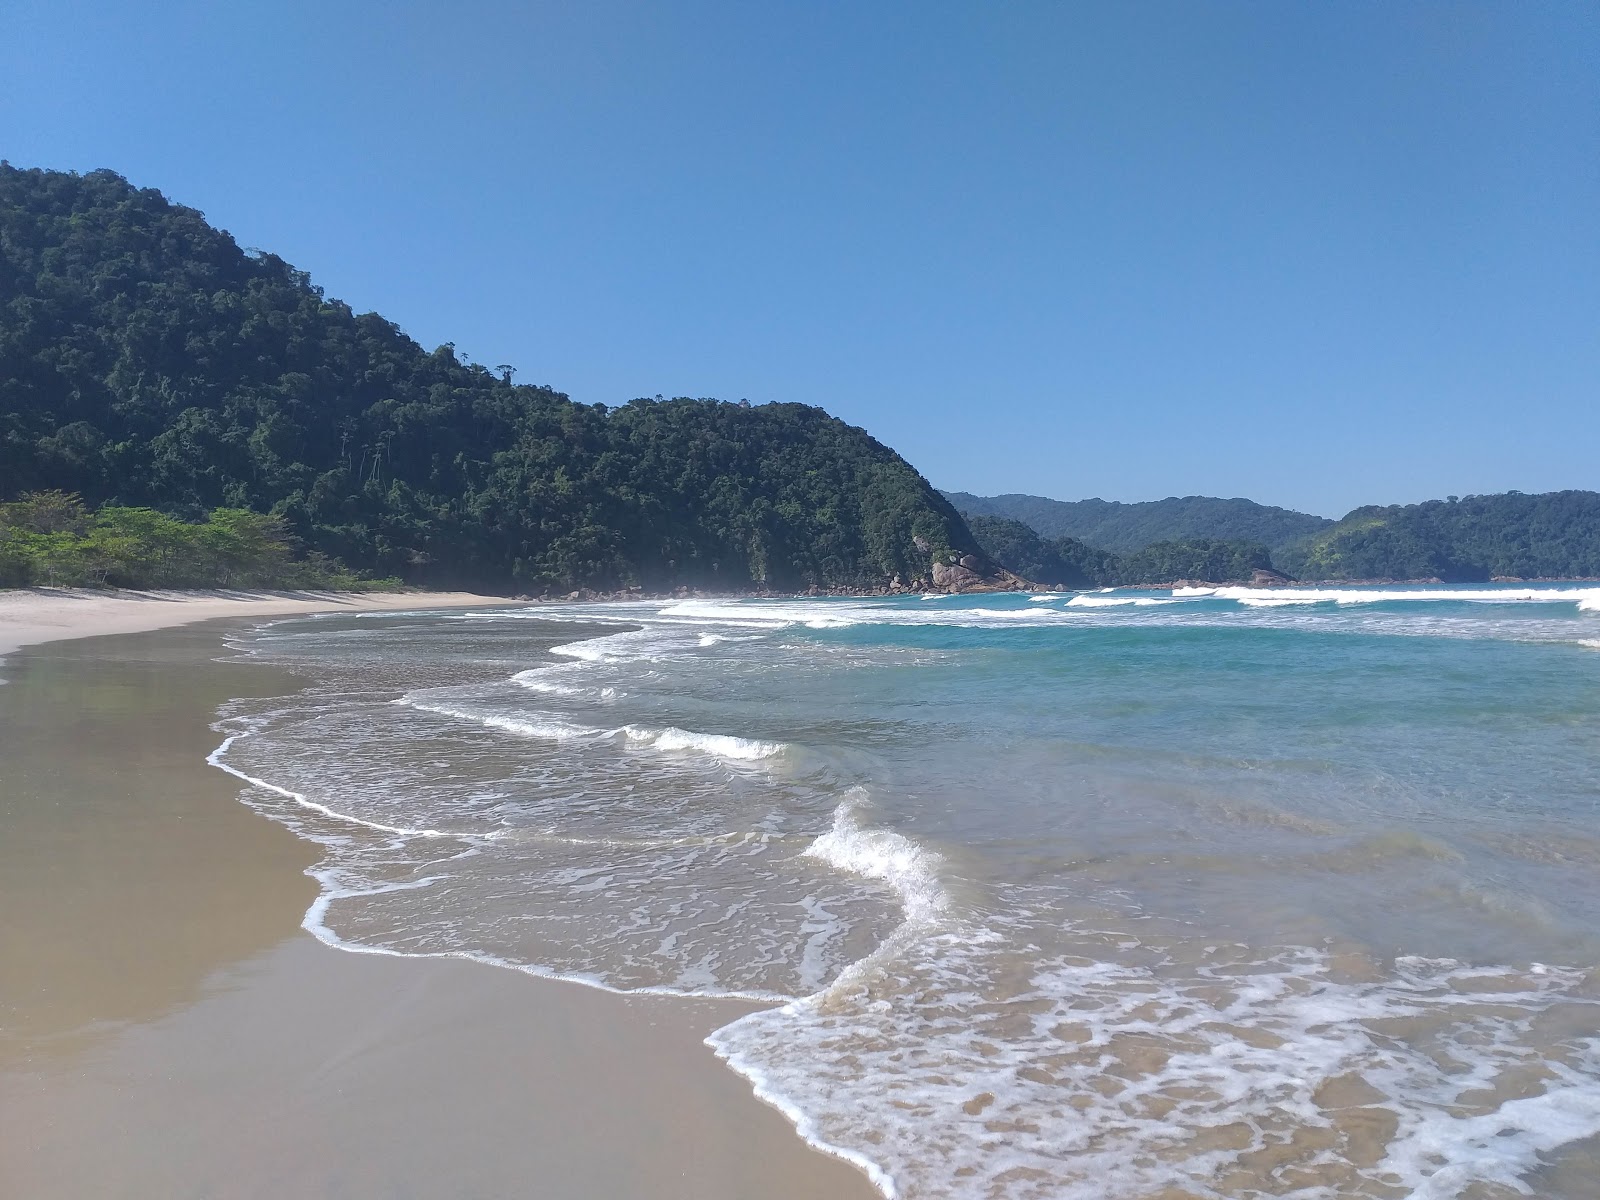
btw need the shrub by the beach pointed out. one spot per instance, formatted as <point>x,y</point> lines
<point>52,539</point>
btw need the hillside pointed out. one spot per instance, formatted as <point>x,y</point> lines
<point>146,360</point>
<point>1067,562</point>
<point>1063,562</point>
<point>1127,528</point>
<point>1555,535</point>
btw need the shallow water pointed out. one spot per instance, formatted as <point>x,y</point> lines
<point>1208,894</point>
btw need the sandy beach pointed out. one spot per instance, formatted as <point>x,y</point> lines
<point>167,1029</point>
<point>30,616</point>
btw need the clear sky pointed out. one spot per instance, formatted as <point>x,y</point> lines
<point>1315,253</point>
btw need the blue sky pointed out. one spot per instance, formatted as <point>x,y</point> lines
<point>1318,254</point>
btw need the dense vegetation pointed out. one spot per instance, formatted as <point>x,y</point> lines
<point>52,539</point>
<point>1208,560</point>
<point>1063,562</point>
<point>1551,536</point>
<point>1126,528</point>
<point>146,361</point>
<point>1068,562</point>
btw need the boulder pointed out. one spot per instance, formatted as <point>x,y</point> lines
<point>1266,577</point>
<point>954,577</point>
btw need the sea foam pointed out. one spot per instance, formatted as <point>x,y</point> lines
<point>1103,601</point>
<point>1587,599</point>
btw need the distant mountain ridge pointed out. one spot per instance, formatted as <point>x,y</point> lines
<point>1551,535</point>
<point>1067,562</point>
<point>1129,528</point>
<point>1510,535</point>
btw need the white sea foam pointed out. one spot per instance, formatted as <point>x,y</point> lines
<point>538,727</point>
<point>1103,601</point>
<point>217,758</point>
<point>1587,599</point>
<point>718,745</point>
<point>555,681</point>
<point>829,614</point>
<point>670,738</point>
<point>1099,1080</point>
<point>549,681</point>
<point>908,867</point>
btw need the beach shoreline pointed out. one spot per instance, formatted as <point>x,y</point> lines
<point>35,616</point>
<point>169,1028</point>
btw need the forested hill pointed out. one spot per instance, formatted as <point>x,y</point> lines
<point>146,360</point>
<point>1128,528</point>
<point>1555,535</point>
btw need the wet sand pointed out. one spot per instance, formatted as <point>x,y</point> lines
<point>168,1030</point>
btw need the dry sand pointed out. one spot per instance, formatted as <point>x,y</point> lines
<point>29,616</point>
<point>168,1030</point>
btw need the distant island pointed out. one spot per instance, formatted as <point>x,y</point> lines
<point>178,412</point>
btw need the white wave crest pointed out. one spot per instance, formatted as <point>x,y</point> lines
<point>911,869</point>
<point>549,730</point>
<point>1587,599</point>
<point>1102,601</point>
<point>718,745</point>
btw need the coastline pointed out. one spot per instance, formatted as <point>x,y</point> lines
<point>170,1029</point>
<point>33,616</point>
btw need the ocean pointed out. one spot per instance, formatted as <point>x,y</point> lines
<point>1206,894</point>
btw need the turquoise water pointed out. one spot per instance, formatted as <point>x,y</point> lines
<point>1209,894</point>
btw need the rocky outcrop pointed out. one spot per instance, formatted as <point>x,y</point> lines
<point>973,574</point>
<point>1267,577</point>
<point>955,576</point>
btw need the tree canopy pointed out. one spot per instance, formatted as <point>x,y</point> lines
<point>1555,535</point>
<point>1067,562</point>
<point>1055,562</point>
<point>147,362</point>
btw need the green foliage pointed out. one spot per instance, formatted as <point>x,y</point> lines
<point>1126,528</point>
<point>52,539</point>
<point>1551,536</point>
<point>1204,560</point>
<point>147,362</point>
<point>1070,563</point>
<point>1064,562</point>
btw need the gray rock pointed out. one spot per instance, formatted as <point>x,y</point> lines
<point>955,578</point>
